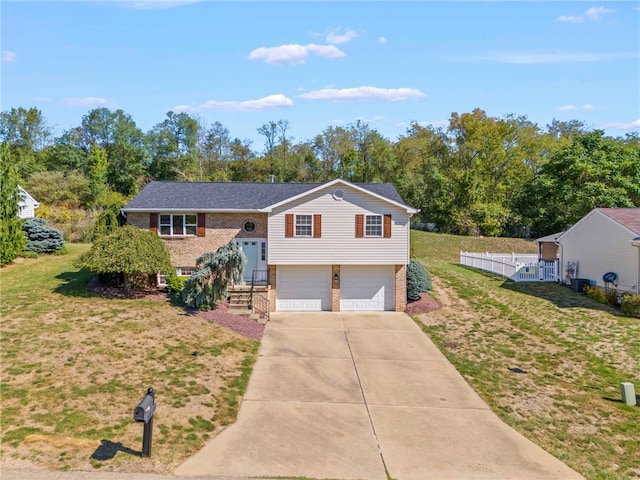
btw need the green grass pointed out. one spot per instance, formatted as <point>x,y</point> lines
<point>74,365</point>
<point>575,353</point>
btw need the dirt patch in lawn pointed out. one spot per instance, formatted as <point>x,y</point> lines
<point>423,305</point>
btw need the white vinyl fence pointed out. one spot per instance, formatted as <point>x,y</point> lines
<point>518,267</point>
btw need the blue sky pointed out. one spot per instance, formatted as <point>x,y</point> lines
<point>322,64</point>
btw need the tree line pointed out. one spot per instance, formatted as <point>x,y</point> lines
<point>478,175</point>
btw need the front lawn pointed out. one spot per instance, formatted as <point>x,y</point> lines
<point>547,360</point>
<point>75,365</point>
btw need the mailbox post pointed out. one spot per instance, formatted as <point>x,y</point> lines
<point>144,413</point>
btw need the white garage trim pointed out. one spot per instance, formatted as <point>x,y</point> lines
<point>305,288</point>
<point>365,288</point>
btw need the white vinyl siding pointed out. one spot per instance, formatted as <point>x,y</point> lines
<point>303,288</point>
<point>367,288</point>
<point>339,245</point>
<point>26,205</point>
<point>601,245</point>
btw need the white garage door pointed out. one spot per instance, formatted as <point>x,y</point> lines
<point>303,288</point>
<point>367,287</point>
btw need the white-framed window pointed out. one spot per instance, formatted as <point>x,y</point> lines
<point>180,272</point>
<point>178,225</point>
<point>304,225</point>
<point>373,226</point>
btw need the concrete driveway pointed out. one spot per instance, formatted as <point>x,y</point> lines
<point>350,395</point>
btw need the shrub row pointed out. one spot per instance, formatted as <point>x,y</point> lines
<point>630,304</point>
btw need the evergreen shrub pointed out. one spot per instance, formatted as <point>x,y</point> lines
<point>418,279</point>
<point>42,238</point>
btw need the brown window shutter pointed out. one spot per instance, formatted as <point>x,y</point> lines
<point>201,224</point>
<point>288,225</point>
<point>317,226</point>
<point>387,226</point>
<point>359,226</point>
<point>153,222</point>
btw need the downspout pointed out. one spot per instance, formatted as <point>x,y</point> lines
<point>636,243</point>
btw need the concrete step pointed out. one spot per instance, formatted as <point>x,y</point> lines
<point>245,312</point>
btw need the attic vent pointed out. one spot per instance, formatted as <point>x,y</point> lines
<point>338,194</point>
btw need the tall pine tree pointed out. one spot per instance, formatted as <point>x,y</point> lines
<point>12,238</point>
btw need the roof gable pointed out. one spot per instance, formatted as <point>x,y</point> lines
<point>338,182</point>
<point>627,217</point>
<point>159,196</point>
<point>25,198</point>
<point>614,215</point>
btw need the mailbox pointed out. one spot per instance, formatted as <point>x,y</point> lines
<point>146,408</point>
<point>144,413</point>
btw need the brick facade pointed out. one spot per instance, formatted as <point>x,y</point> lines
<point>220,229</point>
<point>272,280</point>
<point>401,288</point>
<point>335,288</point>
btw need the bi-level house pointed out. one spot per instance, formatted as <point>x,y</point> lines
<point>333,246</point>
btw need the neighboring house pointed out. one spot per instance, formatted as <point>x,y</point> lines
<point>27,204</point>
<point>334,246</point>
<point>605,240</point>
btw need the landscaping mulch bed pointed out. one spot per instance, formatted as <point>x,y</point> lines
<point>109,291</point>
<point>423,305</point>
<point>242,325</point>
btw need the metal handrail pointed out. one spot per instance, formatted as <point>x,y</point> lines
<point>259,276</point>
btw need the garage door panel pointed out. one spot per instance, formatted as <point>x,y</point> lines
<point>303,288</point>
<point>365,288</point>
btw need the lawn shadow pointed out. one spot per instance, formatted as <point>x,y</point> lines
<point>75,283</point>
<point>560,295</point>
<point>108,449</point>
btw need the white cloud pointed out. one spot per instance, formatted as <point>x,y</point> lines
<point>382,40</point>
<point>594,13</point>
<point>183,108</point>
<point>635,125</point>
<point>91,102</point>
<point>568,108</point>
<point>377,118</point>
<point>158,4</point>
<point>338,38</point>
<point>364,94</point>
<point>570,18</point>
<point>8,56</point>
<point>327,51</point>
<point>294,53</point>
<point>533,58</point>
<point>42,99</point>
<point>264,103</point>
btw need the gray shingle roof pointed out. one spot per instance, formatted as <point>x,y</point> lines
<point>231,195</point>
